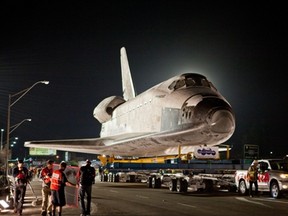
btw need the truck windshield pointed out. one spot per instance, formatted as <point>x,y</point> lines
<point>279,165</point>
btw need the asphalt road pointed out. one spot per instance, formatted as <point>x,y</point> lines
<point>136,199</point>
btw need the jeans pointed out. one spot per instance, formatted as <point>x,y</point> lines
<point>250,187</point>
<point>19,194</point>
<point>85,190</point>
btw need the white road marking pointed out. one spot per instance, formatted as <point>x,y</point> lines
<point>253,202</point>
<point>114,191</point>
<point>140,196</point>
<point>183,204</point>
<point>272,200</point>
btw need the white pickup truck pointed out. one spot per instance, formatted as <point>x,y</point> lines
<point>272,177</point>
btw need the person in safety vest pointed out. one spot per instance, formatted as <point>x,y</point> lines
<point>21,177</point>
<point>57,186</point>
<point>252,176</point>
<point>85,178</point>
<point>45,175</point>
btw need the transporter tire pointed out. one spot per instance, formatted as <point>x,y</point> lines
<point>208,185</point>
<point>242,188</point>
<point>110,177</point>
<point>172,184</point>
<point>156,182</point>
<point>149,182</point>
<point>182,185</point>
<point>132,178</point>
<point>116,178</point>
<point>105,178</point>
<point>274,190</point>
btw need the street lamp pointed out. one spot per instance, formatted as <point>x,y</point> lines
<point>12,128</point>
<point>2,130</point>
<point>10,104</point>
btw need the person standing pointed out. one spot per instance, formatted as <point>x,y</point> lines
<point>85,178</point>
<point>45,175</point>
<point>21,179</point>
<point>58,183</point>
<point>252,176</point>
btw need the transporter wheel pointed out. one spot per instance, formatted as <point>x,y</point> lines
<point>149,182</point>
<point>132,178</point>
<point>181,185</point>
<point>116,178</point>
<point>156,182</point>
<point>173,184</point>
<point>242,189</point>
<point>110,177</point>
<point>208,185</point>
<point>274,190</point>
<point>105,178</point>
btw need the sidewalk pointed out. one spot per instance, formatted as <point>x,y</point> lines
<point>32,204</point>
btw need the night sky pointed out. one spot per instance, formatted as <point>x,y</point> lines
<point>240,46</point>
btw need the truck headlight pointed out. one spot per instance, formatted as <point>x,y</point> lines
<point>284,176</point>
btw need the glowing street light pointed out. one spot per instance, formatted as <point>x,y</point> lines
<point>2,130</point>
<point>14,127</point>
<point>10,104</point>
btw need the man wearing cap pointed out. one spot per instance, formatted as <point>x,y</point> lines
<point>21,177</point>
<point>85,178</point>
<point>45,175</point>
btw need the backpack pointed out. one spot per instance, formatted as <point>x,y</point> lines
<point>87,175</point>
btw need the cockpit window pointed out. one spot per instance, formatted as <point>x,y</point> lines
<point>187,80</point>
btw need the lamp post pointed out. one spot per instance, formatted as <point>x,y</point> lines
<point>10,104</point>
<point>14,127</point>
<point>2,130</point>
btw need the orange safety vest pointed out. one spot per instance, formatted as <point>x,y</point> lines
<point>56,180</point>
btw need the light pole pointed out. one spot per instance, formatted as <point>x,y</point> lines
<point>2,130</point>
<point>10,104</point>
<point>14,127</point>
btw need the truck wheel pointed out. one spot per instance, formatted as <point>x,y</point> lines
<point>149,182</point>
<point>172,184</point>
<point>274,190</point>
<point>242,189</point>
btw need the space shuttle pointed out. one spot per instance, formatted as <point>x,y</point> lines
<point>184,111</point>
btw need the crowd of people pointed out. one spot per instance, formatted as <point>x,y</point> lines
<point>53,187</point>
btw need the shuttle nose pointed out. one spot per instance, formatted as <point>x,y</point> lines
<point>222,121</point>
<point>217,115</point>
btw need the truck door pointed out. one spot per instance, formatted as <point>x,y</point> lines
<point>263,176</point>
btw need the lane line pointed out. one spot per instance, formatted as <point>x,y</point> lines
<point>140,196</point>
<point>114,191</point>
<point>253,202</point>
<point>183,204</point>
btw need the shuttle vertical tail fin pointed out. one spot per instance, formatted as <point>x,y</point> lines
<point>127,83</point>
